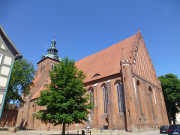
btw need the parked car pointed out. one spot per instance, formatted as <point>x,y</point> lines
<point>163,129</point>
<point>174,130</point>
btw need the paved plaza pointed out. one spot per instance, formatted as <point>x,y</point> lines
<point>94,132</point>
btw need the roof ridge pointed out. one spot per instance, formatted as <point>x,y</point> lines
<point>18,55</point>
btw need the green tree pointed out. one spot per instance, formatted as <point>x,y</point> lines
<point>171,90</point>
<point>20,82</point>
<point>66,100</point>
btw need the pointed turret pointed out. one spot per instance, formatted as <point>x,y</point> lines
<point>52,52</point>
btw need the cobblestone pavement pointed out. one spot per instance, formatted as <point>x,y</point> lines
<point>94,132</point>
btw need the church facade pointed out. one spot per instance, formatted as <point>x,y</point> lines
<point>125,90</point>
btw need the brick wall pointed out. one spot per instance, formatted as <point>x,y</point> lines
<point>143,98</point>
<point>9,118</point>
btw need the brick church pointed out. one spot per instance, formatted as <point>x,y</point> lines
<point>126,92</point>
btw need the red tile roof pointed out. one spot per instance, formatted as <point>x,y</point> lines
<point>37,78</point>
<point>107,61</point>
<point>103,63</point>
<point>38,93</point>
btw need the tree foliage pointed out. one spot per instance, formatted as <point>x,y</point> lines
<point>66,100</point>
<point>171,90</point>
<point>20,82</point>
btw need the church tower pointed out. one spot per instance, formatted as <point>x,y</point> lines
<point>47,61</point>
<point>52,52</point>
<point>41,79</point>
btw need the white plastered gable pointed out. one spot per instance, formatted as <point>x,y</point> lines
<point>3,47</point>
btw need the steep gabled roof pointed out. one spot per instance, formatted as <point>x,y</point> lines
<point>14,50</point>
<point>107,61</point>
<point>103,63</point>
<point>37,94</point>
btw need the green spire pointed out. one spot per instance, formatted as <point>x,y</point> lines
<point>52,52</point>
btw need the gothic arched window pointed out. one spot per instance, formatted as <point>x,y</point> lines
<point>120,94</point>
<point>139,93</point>
<point>105,97</point>
<point>42,69</point>
<point>52,66</point>
<point>91,92</point>
<point>152,100</point>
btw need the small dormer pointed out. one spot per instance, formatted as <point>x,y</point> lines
<point>96,75</point>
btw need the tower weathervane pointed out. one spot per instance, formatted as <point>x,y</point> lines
<point>54,36</point>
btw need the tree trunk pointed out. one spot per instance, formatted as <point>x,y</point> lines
<point>63,129</point>
<point>174,121</point>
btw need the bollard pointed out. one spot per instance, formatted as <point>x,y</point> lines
<point>101,131</point>
<point>83,132</point>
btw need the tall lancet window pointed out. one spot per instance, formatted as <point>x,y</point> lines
<point>52,66</point>
<point>120,94</point>
<point>91,92</point>
<point>152,101</point>
<point>139,93</point>
<point>105,98</point>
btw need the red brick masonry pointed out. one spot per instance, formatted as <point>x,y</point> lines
<point>127,62</point>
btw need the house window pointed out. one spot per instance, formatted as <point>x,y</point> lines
<point>91,92</point>
<point>105,97</point>
<point>120,94</point>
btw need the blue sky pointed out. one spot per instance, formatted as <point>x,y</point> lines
<point>84,27</point>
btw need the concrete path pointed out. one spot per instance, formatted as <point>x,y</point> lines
<point>94,132</point>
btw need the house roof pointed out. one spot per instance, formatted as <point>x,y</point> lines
<point>107,61</point>
<point>15,51</point>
